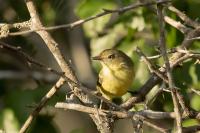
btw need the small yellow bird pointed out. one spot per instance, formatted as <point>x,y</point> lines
<point>116,75</point>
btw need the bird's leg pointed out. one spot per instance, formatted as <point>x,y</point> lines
<point>101,104</point>
<point>98,116</point>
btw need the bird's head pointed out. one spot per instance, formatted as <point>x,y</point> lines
<point>114,59</point>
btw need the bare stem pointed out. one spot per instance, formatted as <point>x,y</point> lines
<point>162,46</point>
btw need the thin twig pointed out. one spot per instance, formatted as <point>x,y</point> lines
<point>73,81</point>
<point>183,58</point>
<point>155,126</point>
<point>150,114</point>
<point>82,21</point>
<point>196,91</point>
<point>5,28</point>
<point>162,46</point>
<point>41,104</point>
<point>29,58</point>
<point>106,125</point>
<point>53,47</point>
<point>178,25</point>
<point>120,114</point>
<point>184,17</point>
<point>194,38</point>
<point>61,74</point>
<point>46,77</point>
<point>141,115</point>
<point>191,129</point>
<point>183,105</point>
<point>151,67</point>
<point>154,80</point>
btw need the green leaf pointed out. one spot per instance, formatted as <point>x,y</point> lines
<point>190,122</point>
<point>87,8</point>
<point>193,74</point>
<point>96,26</point>
<point>109,40</point>
<point>9,121</point>
<point>195,102</point>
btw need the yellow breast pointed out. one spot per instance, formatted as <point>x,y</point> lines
<point>115,83</point>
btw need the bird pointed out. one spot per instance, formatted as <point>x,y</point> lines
<point>116,75</point>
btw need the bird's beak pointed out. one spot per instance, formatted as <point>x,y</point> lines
<point>96,58</point>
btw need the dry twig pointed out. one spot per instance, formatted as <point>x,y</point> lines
<point>41,104</point>
<point>73,24</point>
<point>162,46</point>
<point>67,74</point>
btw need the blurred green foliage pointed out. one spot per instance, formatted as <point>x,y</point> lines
<point>138,27</point>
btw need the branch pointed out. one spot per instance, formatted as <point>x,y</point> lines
<point>154,79</point>
<point>61,74</point>
<point>184,17</point>
<point>29,59</point>
<point>150,114</point>
<point>5,28</point>
<point>162,46</point>
<point>182,28</point>
<point>151,67</point>
<point>155,126</point>
<point>82,92</point>
<point>143,115</point>
<point>82,21</point>
<point>41,104</point>
<point>53,47</point>
<point>192,129</point>
<point>46,77</point>
<point>183,105</point>
<point>106,125</point>
<point>74,84</point>
<point>119,114</point>
<point>196,91</point>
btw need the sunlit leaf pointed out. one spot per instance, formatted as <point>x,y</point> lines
<point>9,122</point>
<point>195,102</point>
<point>87,8</point>
<point>190,122</point>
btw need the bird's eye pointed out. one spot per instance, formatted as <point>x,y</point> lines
<point>112,56</point>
